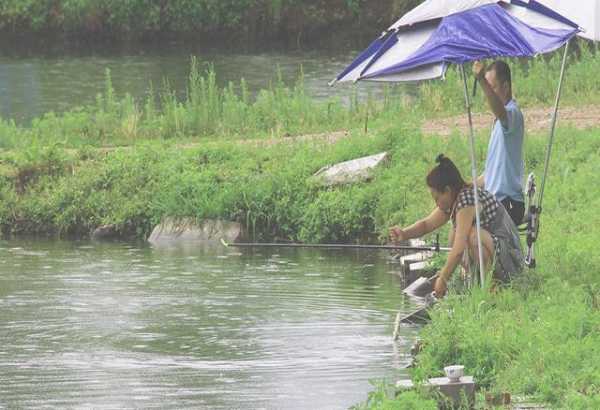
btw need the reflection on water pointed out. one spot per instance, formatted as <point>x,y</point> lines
<point>32,85</point>
<point>115,325</point>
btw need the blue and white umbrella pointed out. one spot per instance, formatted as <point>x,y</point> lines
<point>424,42</point>
<point>585,12</point>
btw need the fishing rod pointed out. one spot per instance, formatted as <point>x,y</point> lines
<point>435,248</point>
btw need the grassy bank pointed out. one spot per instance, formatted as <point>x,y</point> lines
<point>218,153</point>
<point>539,339</point>
<point>264,186</point>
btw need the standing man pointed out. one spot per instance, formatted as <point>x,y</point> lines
<point>504,166</point>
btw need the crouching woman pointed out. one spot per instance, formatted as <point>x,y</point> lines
<point>455,202</point>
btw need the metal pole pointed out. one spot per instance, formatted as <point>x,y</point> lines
<point>473,174</point>
<point>435,248</point>
<point>553,127</point>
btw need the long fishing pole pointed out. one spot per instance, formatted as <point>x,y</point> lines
<point>434,248</point>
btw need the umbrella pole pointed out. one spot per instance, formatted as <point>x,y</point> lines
<point>553,127</point>
<point>473,174</point>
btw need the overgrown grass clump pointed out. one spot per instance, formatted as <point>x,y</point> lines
<point>205,111</point>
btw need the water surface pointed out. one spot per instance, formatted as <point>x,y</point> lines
<point>91,325</point>
<point>32,84</point>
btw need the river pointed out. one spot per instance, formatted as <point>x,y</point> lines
<point>33,83</point>
<point>126,325</point>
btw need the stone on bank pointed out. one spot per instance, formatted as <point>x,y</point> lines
<point>172,230</point>
<point>348,172</point>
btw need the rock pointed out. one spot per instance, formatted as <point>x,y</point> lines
<point>105,232</point>
<point>413,265</point>
<point>419,316</point>
<point>452,393</point>
<point>455,392</point>
<point>419,287</point>
<point>406,256</point>
<point>356,170</point>
<point>415,257</point>
<point>422,268</point>
<point>189,230</point>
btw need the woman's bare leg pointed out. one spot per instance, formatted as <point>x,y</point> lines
<point>487,243</point>
<point>464,262</point>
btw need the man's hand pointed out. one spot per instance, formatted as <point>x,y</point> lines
<point>440,287</point>
<point>397,235</point>
<point>478,70</point>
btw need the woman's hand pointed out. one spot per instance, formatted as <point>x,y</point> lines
<point>397,234</point>
<point>440,287</point>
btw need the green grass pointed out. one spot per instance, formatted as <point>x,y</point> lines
<point>266,187</point>
<point>208,112</point>
<point>539,339</point>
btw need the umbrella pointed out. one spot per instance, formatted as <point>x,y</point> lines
<point>424,42</point>
<point>585,12</point>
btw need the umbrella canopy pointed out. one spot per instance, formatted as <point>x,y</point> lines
<point>423,42</point>
<point>585,12</point>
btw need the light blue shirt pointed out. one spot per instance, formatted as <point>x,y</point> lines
<point>504,166</point>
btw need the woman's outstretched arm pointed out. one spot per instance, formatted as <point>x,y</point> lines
<point>435,220</point>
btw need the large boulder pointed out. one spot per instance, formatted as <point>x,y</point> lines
<point>356,170</point>
<point>106,232</point>
<point>173,230</point>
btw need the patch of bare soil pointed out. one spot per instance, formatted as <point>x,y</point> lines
<point>537,120</point>
<point>328,137</point>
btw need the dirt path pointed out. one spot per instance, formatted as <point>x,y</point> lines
<point>329,137</point>
<point>537,120</point>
